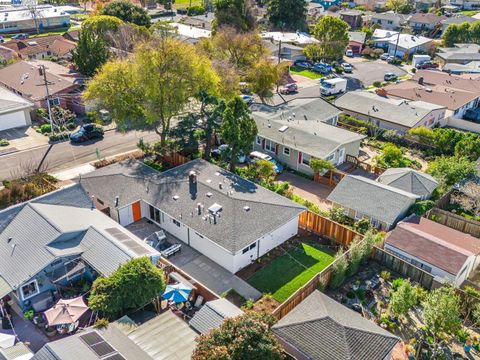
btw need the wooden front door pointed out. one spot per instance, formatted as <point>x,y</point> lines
<point>137,213</point>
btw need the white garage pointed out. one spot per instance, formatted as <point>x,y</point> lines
<point>14,110</point>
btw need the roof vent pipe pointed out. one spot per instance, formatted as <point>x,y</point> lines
<point>116,201</point>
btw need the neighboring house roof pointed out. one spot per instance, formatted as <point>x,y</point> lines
<point>462,82</point>
<point>396,111</point>
<point>289,37</point>
<point>322,328</point>
<point>72,35</point>
<point>306,131</point>
<point>10,102</point>
<point>461,52</point>
<point>407,41</point>
<point>409,180</point>
<point>235,228</point>
<point>434,243</point>
<point>191,32</point>
<point>457,19</point>
<point>357,36</point>
<point>390,16</point>
<point>38,233</point>
<point>381,202</point>
<point>426,18</point>
<point>380,34</point>
<point>25,78</point>
<point>473,67</point>
<point>166,336</point>
<point>18,351</point>
<point>212,314</point>
<point>453,96</point>
<point>56,44</point>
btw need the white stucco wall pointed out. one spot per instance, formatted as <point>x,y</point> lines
<point>211,250</point>
<point>180,232</point>
<point>125,215</point>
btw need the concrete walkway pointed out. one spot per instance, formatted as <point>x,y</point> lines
<point>200,267</point>
<point>308,189</point>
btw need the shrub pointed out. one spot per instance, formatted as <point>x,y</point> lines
<point>101,323</point>
<point>385,275</point>
<point>377,84</point>
<point>421,207</point>
<point>339,269</point>
<point>154,165</point>
<point>71,125</point>
<point>4,142</point>
<point>361,226</point>
<point>59,137</point>
<point>392,136</point>
<point>45,128</point>
<point>195,10</point>
<point>397,283</point>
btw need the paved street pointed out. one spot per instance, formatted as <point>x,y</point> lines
<point>65,155</point>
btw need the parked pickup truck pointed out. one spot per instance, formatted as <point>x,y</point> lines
<point>333,86</point>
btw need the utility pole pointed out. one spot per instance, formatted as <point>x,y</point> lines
<point>279,50</point>
<point>396,45</point>
<point>43,72</point>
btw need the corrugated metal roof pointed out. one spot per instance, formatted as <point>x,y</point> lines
<point>5,289</point>
<point>212,314</point>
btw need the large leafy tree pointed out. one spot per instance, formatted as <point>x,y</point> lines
<point>403,298</point>
<point>332,34</point>
<point>287,14</point>
<point>262,76</point>
<point>128,12</point>
<point>100,24</point>
<point>238,129</point>
<point>246,337</point>
<point>400,6</point>
<point>441,312</point>
<point>461,33</point>
<point>234,13</point>
<point>450,170</point>
<point>148,90</point>
<point>90,53</point>
<point>131,286</point>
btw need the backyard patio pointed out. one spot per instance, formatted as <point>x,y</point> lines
<point>290,266</point>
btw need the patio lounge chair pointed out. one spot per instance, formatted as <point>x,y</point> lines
<point>171,250</point>
<point>198,301</point>
<point>160,235</point>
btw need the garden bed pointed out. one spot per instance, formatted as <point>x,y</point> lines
<point>286,273</point>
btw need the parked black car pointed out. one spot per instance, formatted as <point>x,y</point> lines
<point>87,132</point>
<point>472,115</point>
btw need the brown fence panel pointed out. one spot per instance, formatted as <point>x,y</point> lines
<point>175,159</point>
<point>455,221</point>
<point>328,228</point>
<point>330,178</point>
<point>403,268</point>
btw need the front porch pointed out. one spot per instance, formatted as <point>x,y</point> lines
<point>200,267</point>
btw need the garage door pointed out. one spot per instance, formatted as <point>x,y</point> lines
<point>13,120</point>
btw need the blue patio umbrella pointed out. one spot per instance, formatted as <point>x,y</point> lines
<point>176,293</point>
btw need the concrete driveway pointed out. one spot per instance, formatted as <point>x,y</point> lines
<point>22,138</point>
<point>367,72</point>
<point>309,190</point>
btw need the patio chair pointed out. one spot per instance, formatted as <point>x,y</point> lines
<point>198,301</point>
<point>160,235</point>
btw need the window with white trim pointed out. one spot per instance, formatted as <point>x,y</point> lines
<point>286,151</point>
<point>306,159</point>
<point>54,101</point>
<point>258,140</point>
<point>270,146</point>
<point>330,157</point>
<point>176,222</point>
<point>29,289</point>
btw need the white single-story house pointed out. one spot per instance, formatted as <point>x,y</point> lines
<point>230,220</point>
<point>14,110</point>
<point>438,249</point>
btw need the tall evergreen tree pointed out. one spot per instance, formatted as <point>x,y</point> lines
<point>90,54</point>
<point>288,14</point>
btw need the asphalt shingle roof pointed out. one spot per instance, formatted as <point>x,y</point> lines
<point>409,180</point>
<point>212,314</point>
<point>323,329</point>
<point>396,111</point>
<point>235,228</point>
<point>381,202</point>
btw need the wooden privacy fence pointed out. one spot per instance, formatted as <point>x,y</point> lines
<point>328,228</point>
<point>173,158</point>
<point>330,178</point>
<point>403,268</point>
<point>455,221</point>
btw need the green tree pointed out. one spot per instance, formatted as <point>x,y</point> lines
<point>392,157</point>
<point>90,53</point>
<point>450,170</point>
<point>101,24</point>
<point>402,299</point>
<point>209,114</point>
<point>320,165</point>
<point>368,32</point>
<point>332,34</point>
<point>245,337</point>
<point>261,172</point>
<point>475,32</point>
<point>233,13</point>
<point>441,312</point>
<point>457,34</point>
<point>167,4</point>
<point>238,129</point>
<point>131,286</point>
<point>339,269</point>
<point>262,77</point>
<point>287,14</point>
<point>400,6</point>
<point>468,146</point>
<point>355,255</point>
<point>128,12</point>
<point>313,52</point>
<point>149,89</point>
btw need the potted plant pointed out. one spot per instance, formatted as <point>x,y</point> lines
<point>28,315</point>
<point>39,321</point>
<point>50,331</point>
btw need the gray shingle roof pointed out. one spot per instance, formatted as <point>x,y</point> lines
<point>235,228</point>
<point>306,131</point>
<point>396,111</point>
<point>463,52</point>
<point>212,314</point>
<point>381,202</point>
<point>40,233</point>
<point>357,36</point>
<point>409,180</point>
<point>323,329</point>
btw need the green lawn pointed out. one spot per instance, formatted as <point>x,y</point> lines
<point>284,275</point>
<point>307,73</point>
<point>469,12</point>
<point>185,3</point>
